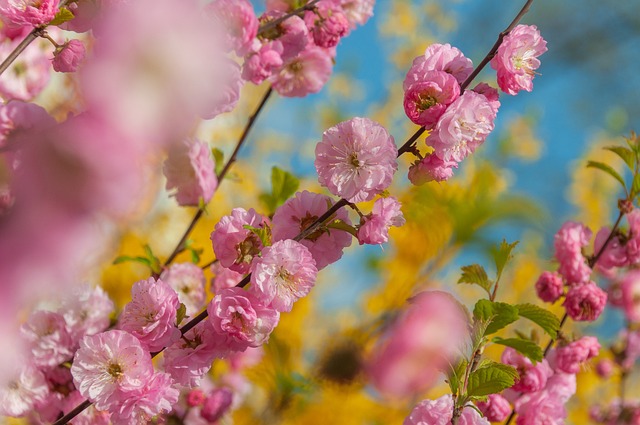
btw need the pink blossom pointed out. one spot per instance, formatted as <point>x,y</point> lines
<point>260,64</point>
<point>303,74</point>
<point>239,20</point>
<point>151,314</point>
<point>17,116</point>
<point>585,302</point>
<point>428,336</point>
<point>517,59</point>
<point>614,255</point>
<point>248,358</point>
<point>20,395</point>
<point>569,358</point>
<point>604,368</point>
<point>241,318</point>
<point>90,416</point>
<point>230,82</point>
<point>630,288</point>
<point>357,12</point>
<point>298,213</point>
<point>292,34</point>
<point>549,287</point>
<point>189,359</point>
<point>427,99</point>
<point>463,127</point>
<point>470,416</point>
<point>188,280</point>
<point>195,398</point>
<point>327,27</point>
<point>496,408</point>
<point>191,171</point>
<point>432,412</point>
<point>631,341</point>
<point>561,386</point>
<point>29,73</point>
<point>633,244</point>
<point>68,57</point>
<point>439,57</point>
<point>234,245</point>
<point>223,278</point>
<point>30,13</point>
<point>540,408</point>
<point>284,273</point>
<point>109,364</point>
<point>532,377</point>
<point>375,229</point>
<point>217,404</point>
<point>49,340</point>
<point>138,406</point>
<point>431,168</point>
<point>87,311</point>
<point>356,159</point>
<point>568,243</point>
<point>490,93</point>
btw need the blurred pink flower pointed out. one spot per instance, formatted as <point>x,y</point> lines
<point>48,338</point>
<point>569,358</point>
<point>20,395</point>
<point>29,73</point>
<point>230,82</point>
<point>439,57</point>
<point>549,287</point>
<point>431,168</point>
<point>30,13</point>
<point>630,288</point>
<point>69,56</point>
<point>496,408</point>
<point>239,21</point>
<point>614,255</point>
<point>585,302</point>
<point>303,74</point>
<point>633,244</point>
<point>426,99</point>
<point>86,311</point>
<point>216,404</point>
<point>292,34</point>
<point>234,246</point>
<point>188,280</point>
<point>223,278</point>
<point>375,229</point>
<point>262,61</point>
<point>357,12</point>
<point>440,412</point>
<point>16,117</point>
<point>190,170</point>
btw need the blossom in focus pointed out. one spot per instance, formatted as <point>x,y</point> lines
<point>284,273</point>
<point>496,408</point>
<point>303,74</point>
<point>86,311</point>
<point>234,245</point>
<point>439,57</point>
<point>356,159</point>
<point>262,61</point>
<point>427,99</point>
<point>327,26</point>
<point>570,357</point>
<point>30,13</point>
<point>188,280</point>
<point>585,302</point>
<point>440,412</point>
<point>137,406</point>
<point>385,213</point>
<point>431,168</point>
<point>68,57</point>
<point>517,58</point>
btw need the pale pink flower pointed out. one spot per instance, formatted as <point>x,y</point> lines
<point>358,12</point>
<point>17,116</point>
<point>217,404</point>
<point>48,338</point>
<point>432,412</point>
<point>630,288</point>
<point>292,34</point>
<point>260,64</point>
<point>562,386</point>
<point>385,213</point>
<point>517,59</point>
<point>568,243</point>
<point>284,273</point>
<point>89,416</point>
<point>356,159</point>
<point>190,170</point>
<point>490,93</point>
<point>540,408</point>
<point>234,245</point>
<point>29,73</point>
<point>614,255</point>
<point>423,340</point>
<point>631,341</point>
<point>151,314</point>
<point>69,56</point>
<point>190,358</point>
<point>137,407</point>
<point>30,13</point>
<point>570,357</point>
<point>87,311</point>
<point>431,168</point>
<point>241,318</point>
<point>298,213</point>
<point>230,82</point>
<point>496,408</point>
<point>188,280</point>
<point>585,302</point>
<point>439,57</point>
<point>463,127</point>
<point>549,287</point>
<point>633,244</point>
<point>223,278</point>
<point>110,363</point>
<point>303,74</point>
<point>470,416</point>
<point>532,377</point>
<point>20,395</point>
<point>327,27</point>
<point>427,99</point>
<point>239,20</point>
<point>244,359</point>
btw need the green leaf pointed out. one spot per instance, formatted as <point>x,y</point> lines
<point>635,187</point>
<point>181,313</point>
<point>502,254</point>
<point>218,156</point>
<point>476,275</point>
<point>626,154</point>
<point>607,169</point>
<point>126,258</point>
<point>525,347</point>
<point>264,233</point>
<point>548,321</point>
<point>154,263</point>
<point>455,375</point>
<point>283,185</point>
<point>63,15</point>
<point>342,225</point>
<point>491,379</point>
<point>498,314</point>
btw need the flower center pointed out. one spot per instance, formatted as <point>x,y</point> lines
<point>247,249</point>
<point>353,160</point>
<point>115,370</point>
<point>425,102</point>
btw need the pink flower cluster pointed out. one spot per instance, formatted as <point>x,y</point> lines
<point>440,412</point>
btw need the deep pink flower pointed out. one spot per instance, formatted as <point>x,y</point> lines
<point>151,314</point>
<point>87,311</point>
<point>264,59</point>
<point>241,318</point>
<point>284,273</point>
<point>234,245</point>
<point>239,20</point>
<point>48,338</point>
<point>496,408</point>
<point>356,159</point>
<point>30,13</point>
<point>223,278</point>
<point>188,280</point>
<point>20,395</point>
<point>299,212</point>
<point>439,57</point>
<point>532,377</point>
<point>69,56</point>
<point>568,243</point>
<point>138,406</point>
<point>517,59</point>
<point>570,357</point>
<point>604,368</point>
<point>431,168</point>
<point>630,288</point>
<point>217,404</point>
<point>375,229</point>
<point>327,27</point>
<point>463,127</point>
<point>303,74</point>
<point>195,398</point>
<point>585,302</point>
<point>614,255</point>
<point>427,99</point>
<point>549,287</point>
<point>109,363</point>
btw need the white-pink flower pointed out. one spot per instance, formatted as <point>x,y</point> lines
<point>110,364</point>
<point>440,412</point>
<point>385,213</point>
<point>137,407</point>
<point>358,12</point>
<point>239,20</point>
<point>463,127</point>
<point>223,278</point>
<point>517,59</point>
<point>303,74</point>
<point>87,311</point>
<point>439,57</point>
<point>190,170</point>
<point>48,338</point>
<point>31,13</point>
<point>427,99</point>
<point>234,245</point>
<point>298,213</point>
<point>356,159</point>
<point>188,280</point>
<point>20,395</point>
<point>241,318</point>
<point>151,314</point>
<point>284,273</point>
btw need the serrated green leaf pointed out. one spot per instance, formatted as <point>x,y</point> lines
<point>63,15</point>
<point>548,321</point>
<point>264,233</point>
<point>127,258</point>
<point>525,347</point>
<point>455,374</point>
<point>218,156</point>
<point>476,275</point>
<point>181,313</point>
<point>502,254</point>
<point>491,379</point>
<point>607,169</point>
<point>626,154</point>
<point>499,314</point>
